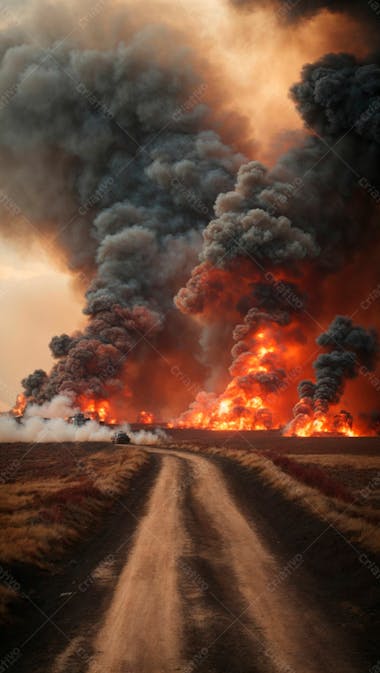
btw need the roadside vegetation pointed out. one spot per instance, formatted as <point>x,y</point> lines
<point>52,495</point>
<point>342,490</point>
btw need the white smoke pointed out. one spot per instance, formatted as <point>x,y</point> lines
<point>146,437</point>
<point>61,406</point>
<point>46,423</point>
<point>36,429</point>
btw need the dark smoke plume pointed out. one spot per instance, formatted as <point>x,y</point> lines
<point>312,212</point>
<point>310,205</point>
<point>110,154</point>
<point>295,10</point>
<point>300,208</point>
<point>352,350</point>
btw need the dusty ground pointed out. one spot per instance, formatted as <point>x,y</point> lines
<point>205,567</point>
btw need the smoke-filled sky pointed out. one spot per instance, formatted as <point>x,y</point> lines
<point>119,132</point>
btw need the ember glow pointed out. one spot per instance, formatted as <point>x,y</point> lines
<point>261,376</point>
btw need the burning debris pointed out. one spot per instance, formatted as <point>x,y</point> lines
<point>257,371</point>
<point>149,200</point>
<point>97,410</point>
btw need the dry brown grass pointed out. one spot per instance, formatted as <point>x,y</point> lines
<point>55,497</point>
<point>340,460</point>
<point>358,520</point>
<point>359,474</point>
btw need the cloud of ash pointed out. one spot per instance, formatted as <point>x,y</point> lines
<point>35,429</point>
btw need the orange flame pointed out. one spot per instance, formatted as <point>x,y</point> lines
<point>246,404</point>
<point>145,417</point>
<point>97,410</point>
<point>321,424</point>
<point>241,406</point>
<point>20,405</point>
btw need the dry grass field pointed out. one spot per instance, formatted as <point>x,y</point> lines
<point>358,474</point>
<point>341,488</point>
<point>51,495</point>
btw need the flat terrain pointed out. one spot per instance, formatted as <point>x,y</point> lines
<point>217,557</point>
<point>272,439</point>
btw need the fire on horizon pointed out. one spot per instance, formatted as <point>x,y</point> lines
<point>226,285</point>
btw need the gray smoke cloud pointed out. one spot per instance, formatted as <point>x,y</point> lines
<point>46,423</point>
<point>243,228</point>
<point>110,154</point>
<point>310,205</point>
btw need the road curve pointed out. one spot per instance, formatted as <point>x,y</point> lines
<point>201,591</point>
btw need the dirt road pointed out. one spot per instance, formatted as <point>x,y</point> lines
<point>201,590</point>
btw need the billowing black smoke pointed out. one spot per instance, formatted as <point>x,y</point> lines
<point>294,10</point>
<point>337,95</point>
<point>316,202</point>
<point>109,155</point>
<point>307,217</point>
<point>351,350</point>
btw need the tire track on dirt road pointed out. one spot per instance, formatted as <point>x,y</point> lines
<point>199,593</point>
<point>286,635</point>
<point>143,628</point>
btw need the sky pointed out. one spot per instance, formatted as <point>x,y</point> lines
<point>36,302</point>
